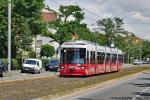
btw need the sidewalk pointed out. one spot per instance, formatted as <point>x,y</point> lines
<point>17,76</point>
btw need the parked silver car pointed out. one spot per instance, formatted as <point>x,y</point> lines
<point>32,65</point>
<point>137,62</point>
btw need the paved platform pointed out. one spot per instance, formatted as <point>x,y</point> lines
<point>17,75</point>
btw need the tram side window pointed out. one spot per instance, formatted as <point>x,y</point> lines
<point>114,58</point>
<point>92,57</point>
<point>100,57</point>
<point>120,58</point>
<point>103,57</point>
<point>108,57</point>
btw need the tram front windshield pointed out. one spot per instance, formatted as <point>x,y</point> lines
<point>73,56</point>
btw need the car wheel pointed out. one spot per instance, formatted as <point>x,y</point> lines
<point>1,74</point>
<point>22,71</point>
<point>46,69</point>
<point>33,72</point>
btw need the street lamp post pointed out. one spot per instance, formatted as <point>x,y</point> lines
<point>140,51</point>
<point>9,35</point>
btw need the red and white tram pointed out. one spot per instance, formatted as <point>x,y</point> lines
<point>83,58</point>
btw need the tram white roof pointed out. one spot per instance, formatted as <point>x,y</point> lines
<point>91,46</point>
<point>74,44</point>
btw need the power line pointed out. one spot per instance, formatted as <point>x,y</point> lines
<point>134,12</point>
<point>87,17</point>
<point>56,2</point>
<point>84,9</point>
<point>138,23</point>
<point>93,19</point>
<point>93,13</point>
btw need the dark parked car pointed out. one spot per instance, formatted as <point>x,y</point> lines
<point>52,65</point>
<point>3,68</point>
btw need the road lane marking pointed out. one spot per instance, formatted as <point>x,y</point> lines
<point>144,90</point>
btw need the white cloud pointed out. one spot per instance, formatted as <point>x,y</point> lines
<point>127,27</point>
<point>133,11</point>
<point>139,16</point>
<point>107,15</point>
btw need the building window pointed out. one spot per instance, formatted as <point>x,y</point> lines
<point>39,43</point>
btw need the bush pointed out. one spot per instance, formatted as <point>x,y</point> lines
<point>44,62</point>
<point>19,60</point>
<point>47,50</point>
<point>14,64</point>
<point>5,61</point>
<point>32,54</point>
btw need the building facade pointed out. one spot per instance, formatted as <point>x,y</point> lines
<point>40,40</point>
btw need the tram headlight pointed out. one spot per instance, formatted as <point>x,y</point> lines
<point>62,67</point>
<point>82,67</point>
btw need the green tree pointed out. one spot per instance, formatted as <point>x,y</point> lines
<point>101,39</point>
<point>64,26</point>
<point>2,3</point>
<point>84,33</point>
<point>47,50</point>
<point>22,38</point>
<point>119,26</point>
<point>146,49</point>
<point>108,26</point>
<point>29,12</point>
<point>131,46</point>
<point>32,54</point>
<point>111,27</point>
<point>26,22</point>
<point>3,31</point>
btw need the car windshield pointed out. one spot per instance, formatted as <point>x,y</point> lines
<point>32,62</point>
<point>54,62</point>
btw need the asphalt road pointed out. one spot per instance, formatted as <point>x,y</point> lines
<point>135,88</point>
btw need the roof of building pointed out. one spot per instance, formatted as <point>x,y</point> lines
<point>46,11</point>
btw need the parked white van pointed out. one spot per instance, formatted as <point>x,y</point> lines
<point>32,65</point>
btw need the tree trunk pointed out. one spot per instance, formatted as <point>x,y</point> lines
<point>59,52</point>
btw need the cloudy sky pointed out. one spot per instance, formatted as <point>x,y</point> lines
<point>136,13</point>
